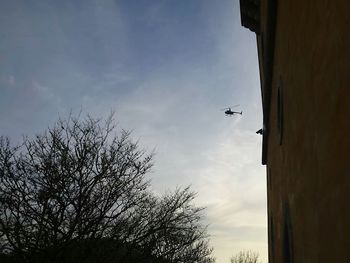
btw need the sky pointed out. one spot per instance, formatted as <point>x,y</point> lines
<point>166,68</point>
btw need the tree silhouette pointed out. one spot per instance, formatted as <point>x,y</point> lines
<point>80,183</point>
<point>245,256</point>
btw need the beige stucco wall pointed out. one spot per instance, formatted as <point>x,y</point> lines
<point>310,171</point>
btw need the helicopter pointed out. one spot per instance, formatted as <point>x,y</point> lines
<point>230,113</point>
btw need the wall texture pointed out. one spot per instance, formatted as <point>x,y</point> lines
<point>308,156</point>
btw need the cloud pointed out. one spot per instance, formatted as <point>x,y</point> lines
<point>232,186</point>
<point>12,80</point>
<point>42,91</point>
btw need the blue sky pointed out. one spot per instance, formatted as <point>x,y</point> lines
<point>166,67</point>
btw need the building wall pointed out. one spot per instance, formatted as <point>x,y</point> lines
<point>308,159</point>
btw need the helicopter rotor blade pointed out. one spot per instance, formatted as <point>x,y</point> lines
<point>234,106</point>
<point>230,107</point>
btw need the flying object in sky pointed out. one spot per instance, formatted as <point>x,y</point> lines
<point>230,113</point>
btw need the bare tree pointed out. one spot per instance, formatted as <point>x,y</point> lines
<point>245,256</point>
<point>80,181</point>
<point>169,227</point>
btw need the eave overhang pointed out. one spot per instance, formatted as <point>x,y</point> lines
<point>262,21</point>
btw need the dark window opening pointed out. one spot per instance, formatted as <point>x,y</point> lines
<point>287,240</point>
<point>280,113</point>
<point>269,181</point>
